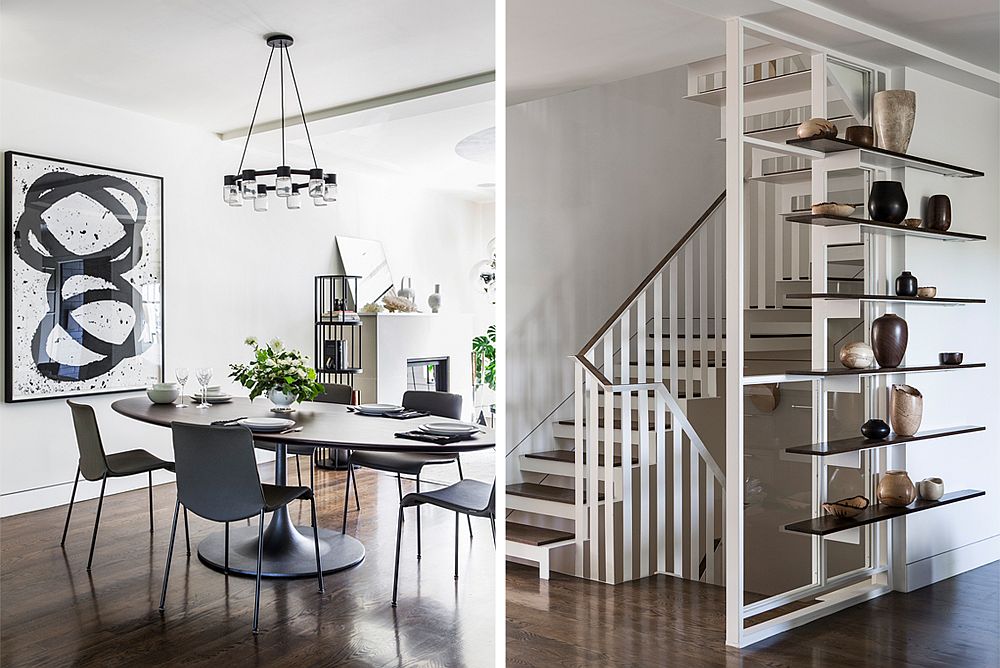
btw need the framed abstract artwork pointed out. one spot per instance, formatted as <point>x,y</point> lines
<point>84,278</point>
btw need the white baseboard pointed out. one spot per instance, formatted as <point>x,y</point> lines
<point>948,564</point>
<point>30,500</point>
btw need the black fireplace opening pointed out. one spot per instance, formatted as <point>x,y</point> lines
<point>427,373</point>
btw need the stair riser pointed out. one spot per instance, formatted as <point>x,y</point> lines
<point>541,507</point>
<point>549,467</point>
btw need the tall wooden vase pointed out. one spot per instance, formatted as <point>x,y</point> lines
<point>889,338</point>
<point>894,112</point>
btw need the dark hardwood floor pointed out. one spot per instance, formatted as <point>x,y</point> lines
<point>664,621</point>
<point>53,613</point>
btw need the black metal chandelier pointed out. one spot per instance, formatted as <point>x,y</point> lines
<point>245,184</point>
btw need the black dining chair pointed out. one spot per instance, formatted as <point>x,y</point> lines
<point>471,498</point>
<point>441,404</point>
<point>217,479</point>
<point>95,464</point>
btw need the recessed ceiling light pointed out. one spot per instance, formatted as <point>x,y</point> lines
<point>478,147</point>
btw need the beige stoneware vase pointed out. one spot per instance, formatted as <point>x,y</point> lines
<point>896,489</point>
<point>906,409</point>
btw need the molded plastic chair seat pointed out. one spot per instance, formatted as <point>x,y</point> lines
<point>470,497</point>
<point>306,450</point>
<point>131,462</point>
<point>277,496</point>
<point>398,462</point>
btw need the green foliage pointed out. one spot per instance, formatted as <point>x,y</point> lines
<point>274,367</point>
<point>484,356</point>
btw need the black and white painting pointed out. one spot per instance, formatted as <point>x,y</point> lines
<point>84,278</point>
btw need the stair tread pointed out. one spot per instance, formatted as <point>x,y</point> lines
<point>531,490</point>
<point>569,456</point>
<point>538,536</point>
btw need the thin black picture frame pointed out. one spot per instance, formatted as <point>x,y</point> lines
<point>8,238</point>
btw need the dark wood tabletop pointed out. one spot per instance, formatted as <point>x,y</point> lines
<point>323,425</point>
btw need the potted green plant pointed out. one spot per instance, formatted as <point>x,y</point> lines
<point>484,369</point>
<point>282,374</point>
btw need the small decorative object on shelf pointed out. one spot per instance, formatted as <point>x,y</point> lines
<point>937,214</point>
<point>930,489</point>
<point>906,409</point>
<point>857,355</point>
<point>832,209</point>
<point>927,292</point>
<point>815,128</point>
<point>847,507</point>
<point>335,355</point>
<point>887,202</point>
<point>397,304</point>
<point>765,398</point>
<point>340,313</point>
<point>950,359</point>
<point>890,335</point>
<point>906,285</point>
<point>875,430</point>
<point>895,489</point>
<point>860,135</point>
<point>282,374</point>
<point>372,308</point>
<point>406,290</point>
<point>911,222</point>
<point>894,112</point>
<point>434,301</point>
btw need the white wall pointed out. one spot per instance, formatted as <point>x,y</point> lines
<point>228,273</point>
<point>601,182</point>
<point>958,126</point>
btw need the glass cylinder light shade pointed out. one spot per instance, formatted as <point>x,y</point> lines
<point>316,183</point>
<point>330,188</point>
<point>230,193</point>
<point>294,201</point>
<point>248,184</point>
<point>260,201</point>
<point>283,182</point>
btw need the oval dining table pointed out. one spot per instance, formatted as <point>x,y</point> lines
<point>288,549</point>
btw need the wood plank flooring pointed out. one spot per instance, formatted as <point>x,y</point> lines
<point>664,621</point>
<point>53,613</point>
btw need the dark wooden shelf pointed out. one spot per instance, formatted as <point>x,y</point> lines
<point>332,323</point>
<point>875,371</point>
<point>882,298</point>
<point>861,443</point>
<point>877,227</point>
<point>827,524</point>
<point>881,158</point>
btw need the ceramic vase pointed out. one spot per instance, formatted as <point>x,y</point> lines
<point>434,301</point>
<point>930,489</point>
<point>406,289</point>
<point>857,355</point>
<point>889,338</point>
<point>860,135</point>
<point>894,112</point>
<point>887,202</point>
<point>281,400</point>
<point>906,409</point>
<point>875,430</point>
<point>895,489</point>
<point>937,215</point>
<point>906,285</point>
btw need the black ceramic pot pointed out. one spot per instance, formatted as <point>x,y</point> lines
<point>906,285</point>
<point>938,213</point>
<point>875,430</point>
<point>889,338</point>
<point>887,202</point>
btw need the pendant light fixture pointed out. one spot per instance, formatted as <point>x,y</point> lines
<point>246,184</point>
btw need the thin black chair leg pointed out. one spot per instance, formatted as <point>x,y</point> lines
<point>72,498</point>
<point>298,470</point>
<point>357,501</point>
<point>319,567</point>
<point>97,521</point>
<point>187,533</point>
<point>170,553</point>
<point>312,470</point>
<point>456,546</point>
<point>418,519</point>
<point>226,566</point>
<point>260,558</point>
<point>347,496</point>
<point>399,539</point>
<point>493,528</point>
<point>462,477</point>
<point>150,502</point>
<point>399,486</point>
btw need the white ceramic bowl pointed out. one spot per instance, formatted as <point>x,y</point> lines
<point>163,395</point>
<point>165,386</point>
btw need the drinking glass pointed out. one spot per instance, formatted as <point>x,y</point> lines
<point>182,379</point>
<point>204,376</point>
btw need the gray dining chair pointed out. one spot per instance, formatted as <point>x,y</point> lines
<point>441,404</point>
<point>217,479</point>
<point>471,498</point>
<point>94,464</point>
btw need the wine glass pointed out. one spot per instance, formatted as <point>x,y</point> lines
<point>204,376</point>
<point>182,379</point>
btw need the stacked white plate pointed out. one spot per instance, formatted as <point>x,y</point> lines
<point>449,428</point>
<point>266,424</point>
<point>377,409</point>
<point>217,398</point>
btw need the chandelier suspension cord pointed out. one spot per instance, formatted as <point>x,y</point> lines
<point>252,120</point>
<point>281,56</point>
<point>301,111</point>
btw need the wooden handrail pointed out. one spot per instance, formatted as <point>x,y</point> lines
<point>656,270</point>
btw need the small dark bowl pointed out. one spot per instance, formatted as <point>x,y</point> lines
<point>860,135</point>
<point>875,430</point>
<point>950,359</point>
